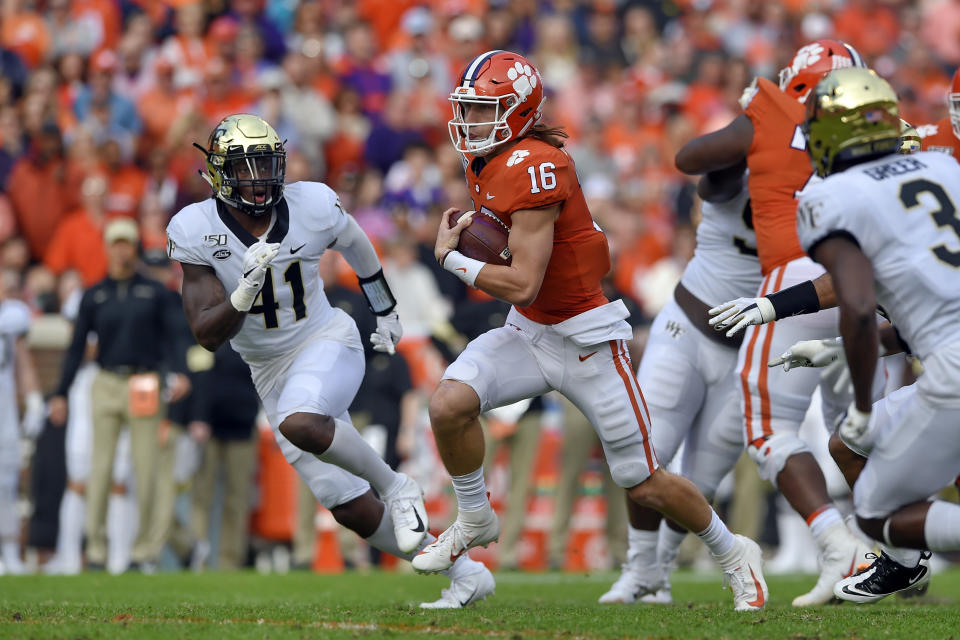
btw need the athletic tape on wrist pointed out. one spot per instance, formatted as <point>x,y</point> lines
<point>379,297</point>
<point>463,267</point>
<point>244,295</point>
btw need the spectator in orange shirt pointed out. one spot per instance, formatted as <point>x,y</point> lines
<point>221,97</point>
<point>25,33</point>
<point>163,105</point>
<point>38,189</point>
<point>78,241</point>
<point>125,180</point>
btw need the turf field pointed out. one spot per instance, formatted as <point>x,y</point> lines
<point>354,605</point>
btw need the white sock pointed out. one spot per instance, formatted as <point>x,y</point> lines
<point>941,529</point>
<point>642,549</point>
<point>822,519</point>
<point>471,490</point>
<point>351,452</point>
<point>909,558</point>
<point>717,537</point>
<point>668,546</point>
<point>73,509</point>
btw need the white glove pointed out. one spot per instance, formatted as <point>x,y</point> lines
<point>741,313</point>
<point>34,415</point>
<point>853,427</point>
<point>388,333</point>
<point>827,353</point>
<point>255,263</point>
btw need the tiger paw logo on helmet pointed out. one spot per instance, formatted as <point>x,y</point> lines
<point>806,56</point>
<point>524,80</point>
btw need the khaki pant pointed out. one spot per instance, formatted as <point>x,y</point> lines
<point>579,440</point>
<point>238,459</point>
<point>111,414</point>
<point>523,452</point>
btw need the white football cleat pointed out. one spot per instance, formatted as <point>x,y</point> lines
<point>743,571</point>
<point>463,534</point>
<point>464,591</point>
<point>636,584</point>
<point>841,557</point>
<point>663,595</point>
<point>408,513</point>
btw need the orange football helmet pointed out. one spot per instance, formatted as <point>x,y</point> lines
<point>813,61</point>
<point>505,80</point>
<point>953,103</point>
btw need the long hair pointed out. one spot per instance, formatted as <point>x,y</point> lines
<point>555,136</point>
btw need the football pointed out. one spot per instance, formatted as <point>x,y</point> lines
<point>485,239</point>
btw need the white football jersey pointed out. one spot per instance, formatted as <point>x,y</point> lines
<point>902,211</point>
<point>291,306</point>
<point>14,323</point>
<point>724,264</point>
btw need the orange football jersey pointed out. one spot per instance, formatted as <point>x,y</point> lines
<point>779,167</point>
<point>533,174</point>
<point>939,137</point>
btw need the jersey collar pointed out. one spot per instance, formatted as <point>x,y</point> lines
<point>277,233</point>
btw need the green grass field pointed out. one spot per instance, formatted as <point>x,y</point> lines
<point>355,605</point>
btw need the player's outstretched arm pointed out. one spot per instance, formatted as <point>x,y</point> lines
<point>356,248</point>
<point>809,296</point>
<point>212,317</point>
<point>718,150</point>
<point>722,185</point>
<point>530,243</point>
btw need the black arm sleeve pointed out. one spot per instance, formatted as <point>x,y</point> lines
<point>74,355</point>
<point>796,300</point>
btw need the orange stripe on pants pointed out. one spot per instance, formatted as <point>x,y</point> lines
<point>764,370</point>
<point>633,401</point>
<point>745,374</point>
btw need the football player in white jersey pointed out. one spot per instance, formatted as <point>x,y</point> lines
<point>17,373</point>
<point>886,228</point>
<point>249,257</point>
<point>687,371</point>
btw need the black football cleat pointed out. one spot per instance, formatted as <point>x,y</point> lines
<point>883,578</point>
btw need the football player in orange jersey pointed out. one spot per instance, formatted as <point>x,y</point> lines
<point>944,135</point>
<point>769,139</point>
<point>562,333</point>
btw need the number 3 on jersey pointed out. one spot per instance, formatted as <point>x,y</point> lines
<point>548,179</point>
<point>266,302</point>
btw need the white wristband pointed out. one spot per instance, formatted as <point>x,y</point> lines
<point>243,296</point>
<point>463,267</point>
<point>767,312</point>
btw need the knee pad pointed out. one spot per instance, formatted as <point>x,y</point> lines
<point>627,460</point>
<point>771,454</point>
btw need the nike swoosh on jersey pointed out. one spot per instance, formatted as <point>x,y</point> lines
<point>293,251</point>
<point>490,197</point>
<point>582,358</point>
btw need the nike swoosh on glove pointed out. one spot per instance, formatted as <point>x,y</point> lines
<point>388,333</point>
<point>741,313</point>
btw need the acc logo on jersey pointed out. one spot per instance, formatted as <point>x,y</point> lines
<point>222,254</point>
<point>517,157</point>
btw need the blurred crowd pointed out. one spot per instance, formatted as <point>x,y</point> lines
<point>102,100</point>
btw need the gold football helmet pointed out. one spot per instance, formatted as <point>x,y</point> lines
<point>852,117</point>
<point>909,138</point>
<point>246,163</point>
